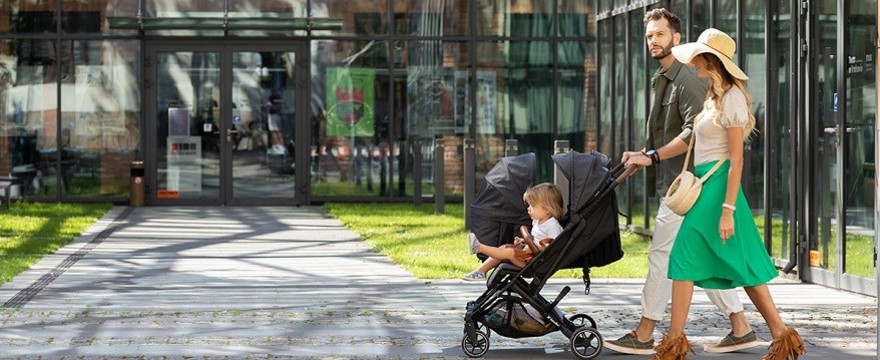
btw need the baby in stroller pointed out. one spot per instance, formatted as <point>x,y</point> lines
<point>545,207</point>
<point>513,305</point>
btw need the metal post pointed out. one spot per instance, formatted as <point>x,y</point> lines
<point>439,175</point>
<point>511,147</point>
<point>561,147</point>
<point>470,178</point>
<point>416,144</point>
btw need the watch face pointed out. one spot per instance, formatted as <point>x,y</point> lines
<point>651,152</point>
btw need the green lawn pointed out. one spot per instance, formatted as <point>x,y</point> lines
<point>434,246</point>
<point>30,231</point>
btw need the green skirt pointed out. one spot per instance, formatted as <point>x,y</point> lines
<point>698,254</point>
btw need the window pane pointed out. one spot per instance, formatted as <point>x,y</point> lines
<point>100,108</point>
<point>576,121</point>
<point>27,16</point>
<point>351,105</point>
<point>639,103</point>
<point>755,65</point>
<point>514,18</point>
<point>514,82</point>
<point>431,18</point>
<point>725,16</point>
<point>619,121</point>
<point>358,17</point>
<point>606,75</point>
<point>576,18</point>
<point>780,146</point>
<point>861,111</point>
<point>91,16</point>
<point>700,13</point>
<point>29,120</point>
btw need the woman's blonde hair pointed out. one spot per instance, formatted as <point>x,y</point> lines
<point>545,195</point>
<point>720,81</point>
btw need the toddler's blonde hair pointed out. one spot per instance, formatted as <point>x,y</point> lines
<point>545,195</point>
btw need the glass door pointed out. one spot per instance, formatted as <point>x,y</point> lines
<point>841,252</point>
<point>225,123</point>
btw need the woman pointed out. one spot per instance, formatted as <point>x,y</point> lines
<point>719,246</point>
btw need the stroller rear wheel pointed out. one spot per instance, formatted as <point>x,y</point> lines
<point>476,348</point>
<point>586,343</point>
<point>582,320</point>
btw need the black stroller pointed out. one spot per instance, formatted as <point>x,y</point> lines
<point>512,305</point>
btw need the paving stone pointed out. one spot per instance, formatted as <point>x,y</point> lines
<point>292,283</point>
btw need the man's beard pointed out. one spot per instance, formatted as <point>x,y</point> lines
<point>667,50</point>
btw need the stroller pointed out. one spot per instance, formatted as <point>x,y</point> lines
<point>512,305</point>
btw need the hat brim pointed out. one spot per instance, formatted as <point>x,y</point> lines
<point>684,53</point>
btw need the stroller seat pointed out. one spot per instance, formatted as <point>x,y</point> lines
<point>503,272</point>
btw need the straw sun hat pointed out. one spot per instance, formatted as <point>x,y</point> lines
<point>712,41</point>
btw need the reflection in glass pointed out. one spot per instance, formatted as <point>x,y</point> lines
<point>261,129</point>
<point>619,120</point>
<point>606,63</point>
<point>861,110</point>
<point>781,232</point>
<point>358,17</point>
<point>725,19</point>
<point>823,253</point>
<point>532,18</point>
<point>639,103</point>
<point>100,109</point>
<point>28,16</point>
<point>29,116</point>
<point>187,153</point>
<point>575,122</point>
<point>514,80</point>
<point>754,64</point>
<point>574,18</point>
<point>431,18</point>
<point>351,152</point>
<point>91,16</point>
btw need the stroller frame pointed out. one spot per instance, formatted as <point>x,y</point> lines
<point>508,283</point>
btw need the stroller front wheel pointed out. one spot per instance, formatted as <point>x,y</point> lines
<point>582,320</point>
<point>586,343</point>
<point>476,348</point>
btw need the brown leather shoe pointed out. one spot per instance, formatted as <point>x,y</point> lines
<point>788,346</point>
<point>676,348</point>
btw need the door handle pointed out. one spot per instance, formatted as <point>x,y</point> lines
<point>229,133</point>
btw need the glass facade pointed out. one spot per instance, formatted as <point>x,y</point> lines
<point>826,134</point>
<point>300,102</point>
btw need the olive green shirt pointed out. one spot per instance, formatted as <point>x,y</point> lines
<point>678,98</point>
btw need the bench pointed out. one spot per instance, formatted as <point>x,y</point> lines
<point>6,183</point>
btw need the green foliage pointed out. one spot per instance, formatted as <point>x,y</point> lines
<point>30,231</point>
<point>434,246</point>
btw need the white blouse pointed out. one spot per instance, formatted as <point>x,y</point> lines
<point>711,142</point>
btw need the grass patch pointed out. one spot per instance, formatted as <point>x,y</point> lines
<point>434,246</point>
<point>30,231</point>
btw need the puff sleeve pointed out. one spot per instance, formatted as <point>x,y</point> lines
<point>735,111</point>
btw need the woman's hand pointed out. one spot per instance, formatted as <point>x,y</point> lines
<point>725,225</point>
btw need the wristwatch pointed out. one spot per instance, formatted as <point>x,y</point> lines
<point>654,155</point>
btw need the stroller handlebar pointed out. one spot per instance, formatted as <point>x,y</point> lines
<point>621,173</point>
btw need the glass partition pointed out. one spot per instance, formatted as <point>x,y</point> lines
<point>29,116</point>
<point>751,49</point>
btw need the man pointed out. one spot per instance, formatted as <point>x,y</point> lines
<point>678,97</point>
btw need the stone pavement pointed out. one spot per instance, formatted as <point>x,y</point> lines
<point>279,282</point>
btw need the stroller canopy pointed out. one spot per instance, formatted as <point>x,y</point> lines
<point>499,201</point>
<point>586,174</point>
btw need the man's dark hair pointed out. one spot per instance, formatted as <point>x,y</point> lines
<point>661,13</point>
